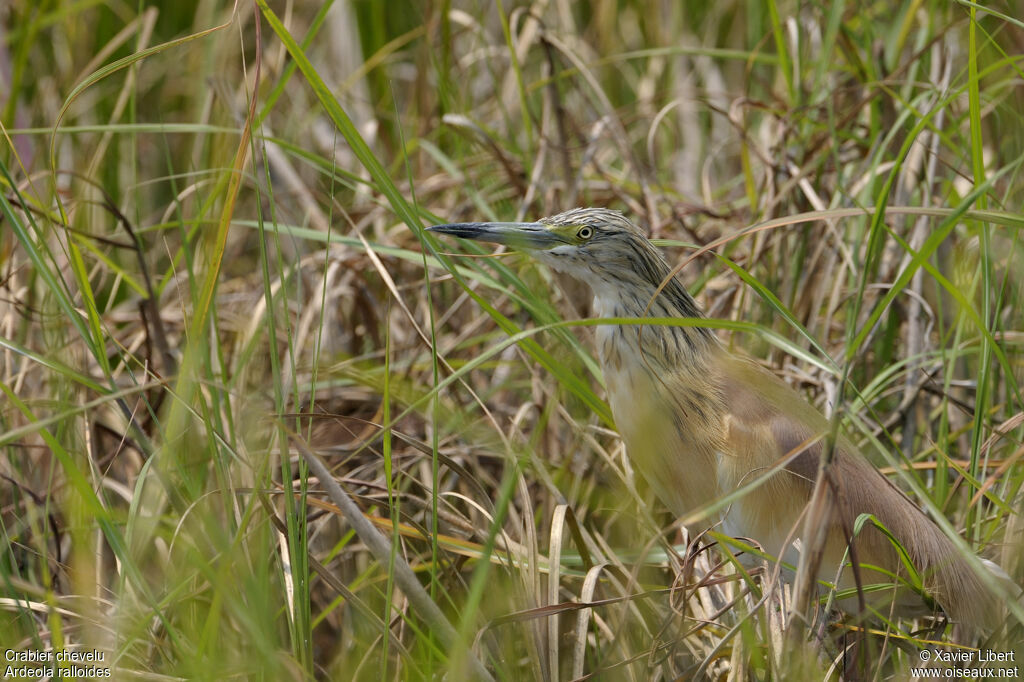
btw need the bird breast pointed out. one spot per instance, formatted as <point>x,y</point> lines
<point>666,417</point>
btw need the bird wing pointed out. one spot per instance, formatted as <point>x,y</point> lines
<point>769,427</point>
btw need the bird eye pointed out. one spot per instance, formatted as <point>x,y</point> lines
<point>585,233</point>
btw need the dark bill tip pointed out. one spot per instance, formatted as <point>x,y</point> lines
<point>464,230</point>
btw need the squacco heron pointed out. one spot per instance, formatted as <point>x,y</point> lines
<point>700,422</point>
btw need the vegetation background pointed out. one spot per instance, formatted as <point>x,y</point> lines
<point>213,274</point>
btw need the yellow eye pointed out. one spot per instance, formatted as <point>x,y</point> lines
<point>585,233</point>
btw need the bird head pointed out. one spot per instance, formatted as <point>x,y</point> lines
<point>595,245</point>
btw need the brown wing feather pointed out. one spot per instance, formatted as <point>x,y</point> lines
<point>768,422</point>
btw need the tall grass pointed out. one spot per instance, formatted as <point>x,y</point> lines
<point>214,276</point>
